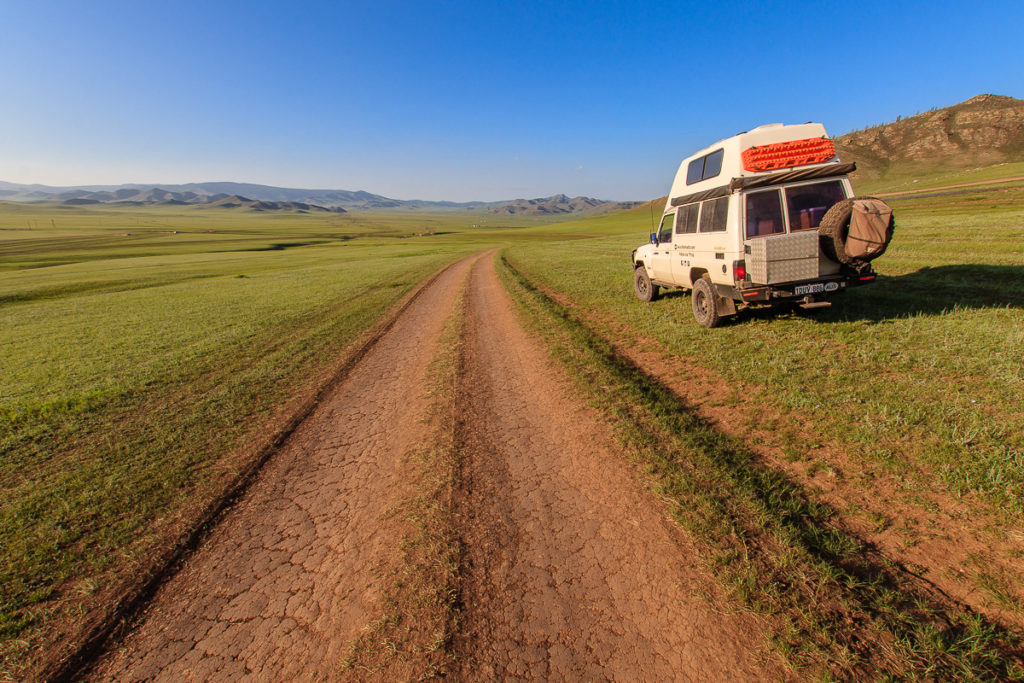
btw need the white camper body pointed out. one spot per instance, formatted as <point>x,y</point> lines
<point>741,224</point>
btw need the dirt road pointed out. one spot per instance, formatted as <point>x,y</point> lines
<point>570,569</point>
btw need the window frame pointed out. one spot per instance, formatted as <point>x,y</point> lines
<point>784,197</point>
<point>703,166</point>
<point>718,201</point>
<point>687,209</point>
<point>783,214</point>
<point>785,204</point>
<point>669,218</point>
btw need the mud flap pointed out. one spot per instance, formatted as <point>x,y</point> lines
<point>723,301</point>
<point>725,305</point>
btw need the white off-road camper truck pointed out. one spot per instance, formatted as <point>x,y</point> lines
<point>762,218</point>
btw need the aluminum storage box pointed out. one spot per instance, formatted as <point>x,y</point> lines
<point>782,258</point>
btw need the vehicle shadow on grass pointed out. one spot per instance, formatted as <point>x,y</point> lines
<point>930,291</point>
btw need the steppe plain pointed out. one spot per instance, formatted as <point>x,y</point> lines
<point>378,446</point>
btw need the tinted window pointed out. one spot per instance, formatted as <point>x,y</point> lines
<point>764,214</point>
<point>713,164</point>
<point>808,203</point>
<point>708,166</point>
<point>694,171</point>
<point>665,233</point>
<point>713,213</point>
<point>687,221</point>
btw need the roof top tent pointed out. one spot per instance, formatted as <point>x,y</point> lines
<point>726,165</point>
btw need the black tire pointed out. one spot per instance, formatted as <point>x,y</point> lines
<point>642,285</point>
<point>834,228</point>
<point>705,303</point>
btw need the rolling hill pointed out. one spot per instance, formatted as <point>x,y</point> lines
<point>982,131</point>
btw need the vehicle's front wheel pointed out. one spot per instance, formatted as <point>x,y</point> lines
<point>705,306</point>
<point>642,285</point>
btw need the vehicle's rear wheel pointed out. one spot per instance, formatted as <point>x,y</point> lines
<point>642,285</point>
<point>705,303</point>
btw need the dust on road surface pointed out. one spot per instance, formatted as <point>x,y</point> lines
<point>570,571</point>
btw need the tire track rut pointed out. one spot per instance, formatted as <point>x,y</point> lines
<point>571,571</point>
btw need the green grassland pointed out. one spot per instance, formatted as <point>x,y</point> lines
<point>144,349</point>
<point>911,178</point>
<point>918,375</point>
<point>943,324</point>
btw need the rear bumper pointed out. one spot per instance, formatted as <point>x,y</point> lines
<point>795,290</point>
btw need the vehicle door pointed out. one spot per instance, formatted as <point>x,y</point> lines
<point>684,243</point>
<point>709,238</point>
<point>661,259</point>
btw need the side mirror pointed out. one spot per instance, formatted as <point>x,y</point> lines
<point>654,238</point>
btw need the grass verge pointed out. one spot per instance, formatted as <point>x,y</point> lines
<point>838,608</point>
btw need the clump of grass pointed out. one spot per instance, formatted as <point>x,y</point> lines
<point>838,608</point>
<point>1001,586</point>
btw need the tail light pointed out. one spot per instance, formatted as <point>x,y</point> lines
<point>739,271</point>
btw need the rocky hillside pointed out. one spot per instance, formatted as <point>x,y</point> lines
<point>984,130</point>
<point>558,204</point>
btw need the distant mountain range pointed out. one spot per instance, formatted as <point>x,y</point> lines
<point>207,193</point>
<point>982,131</point>
<point>159,196</point>
<point>267,198</point>
<point>559,204</point>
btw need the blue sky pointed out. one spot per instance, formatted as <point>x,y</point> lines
<point>464,100</point>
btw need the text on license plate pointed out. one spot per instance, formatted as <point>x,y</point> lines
<point>809,289</point>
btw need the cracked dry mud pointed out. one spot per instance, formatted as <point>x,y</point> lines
<point>570,570</point>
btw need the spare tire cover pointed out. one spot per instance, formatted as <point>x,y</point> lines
<point>856,230</point>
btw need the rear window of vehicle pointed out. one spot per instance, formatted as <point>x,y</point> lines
<point>764,214</point>
<point>808,203</point>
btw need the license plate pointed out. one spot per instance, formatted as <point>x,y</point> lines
<point>809,289</point>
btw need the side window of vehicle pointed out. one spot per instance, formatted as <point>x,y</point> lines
<point>708,166</point>
<point>713,164</point>
<point>687,219</point>
<point>713,214</point>
<point>695,171</point>
<point>665,232</point>
<point>764,214</point>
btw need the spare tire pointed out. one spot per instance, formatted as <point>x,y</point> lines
<point>834,231</point>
